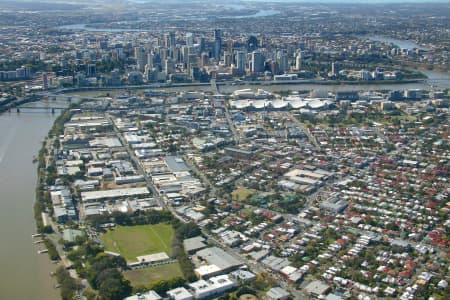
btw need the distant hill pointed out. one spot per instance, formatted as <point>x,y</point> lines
<point>37,6</point>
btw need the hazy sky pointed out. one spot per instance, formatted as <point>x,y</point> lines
<point>229,1</point>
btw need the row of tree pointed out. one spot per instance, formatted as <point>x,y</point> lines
<point>68,285</point>
<point>131,219</point>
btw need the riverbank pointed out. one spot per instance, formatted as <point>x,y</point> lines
<point>46,171</point>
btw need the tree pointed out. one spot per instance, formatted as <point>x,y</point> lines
<point>107,274</point>
<point>114,289</point>
<point>187,230</point>
<point>69,286</point>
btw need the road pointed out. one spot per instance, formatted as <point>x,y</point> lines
<point>305,129</point>
<point>138,165</point>
<point>230,122</point>
<point>199,173</point>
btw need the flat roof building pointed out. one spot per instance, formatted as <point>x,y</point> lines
<point>194,244</point>
<point>213,287</point>
<point>277,293</point>
<point>150,295</point>
<point>176,164</point>
<point>93,196</point>
<point>207,271</point>
<point>180,294</point>
<point>317,288</point>
<point>243,275</point>
<point>218,257</point>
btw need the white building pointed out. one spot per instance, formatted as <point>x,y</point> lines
<point>150,295</point>
<point>214,286</point>
<point>180,294</point>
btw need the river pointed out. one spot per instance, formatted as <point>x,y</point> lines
<point>405,44</point>
<point>436,80</point>
<point>24,273</point>
<point>92,28</point>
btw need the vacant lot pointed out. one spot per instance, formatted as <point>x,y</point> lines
<point>132,241</point>
<point>143,277</point>
<point>241,193</point>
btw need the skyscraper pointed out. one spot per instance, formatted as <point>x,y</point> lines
<point>141,58</point>
<point>298,61</point>
<point>240,61</point>
<point>150,60</point>
<point>45,81</point>
<point>217,43</point>
<point>257,62</point>
<point>282,61</point>
<point>204,59</point>
<point>169,66</point>
<point>230,45</point>
<point>172,40</point>
<point>202,46</point>
<point>189,39</point>
<point>334,69</point>
<point>228,58</point>
<point>217,34</point>
<point>169,40</point>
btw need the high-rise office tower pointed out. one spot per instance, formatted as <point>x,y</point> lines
<point>257,62</point>
<point>192,59</point>
<point>45,81</point>
<point>204,59</point>
<point>228,58</point>
<point>274,67</point>
<point>334,69</point>
<point>141,58</point>
<point>176,54</point>
<point>172,40</point>
<point>217,47</point>
<point>230,45</point>
<point>240,61</point>
<point>217,43</point>
<point>102,43</point>
<point>166,40</point>
<point>189,39</point>
<point>194,72</point>
<point>192,51</point>
<point>150,60</point>
<point>217,34</point>
<point>184,54</point>
<point>163,54</point>
<point>169,66</point>
<point>202,45</point>
<point>282,61</point>
<point>298,61</point>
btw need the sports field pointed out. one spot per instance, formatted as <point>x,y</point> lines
<point>132,241</point>
<point>143,277</point>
